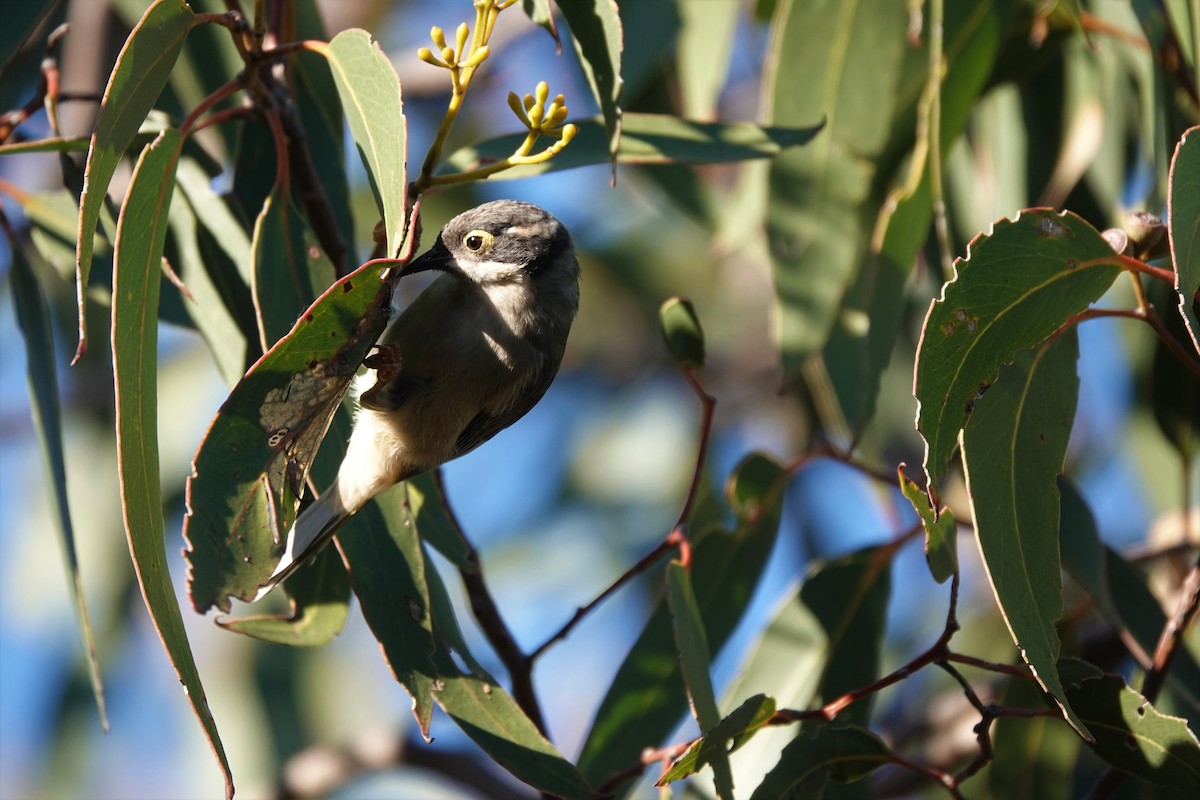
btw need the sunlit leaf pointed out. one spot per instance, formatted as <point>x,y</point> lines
<point>1013,451</point>
<point>141,232</point>
<point>1131,734</point>
<point>726,736</point>
<point>370,93</point>
<point>320,596</point>
<point>55,144</point>
<point>141,71</point>
<point>1016,287</point>
<point>646,139</point>
<point>941,534</point>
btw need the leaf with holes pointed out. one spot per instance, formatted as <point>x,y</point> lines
<point>254,459</point>
<point>1016,287</point>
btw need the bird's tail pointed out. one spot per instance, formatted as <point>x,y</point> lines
<point>312,530</point>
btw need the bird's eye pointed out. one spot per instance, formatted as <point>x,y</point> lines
<point>478,241</point>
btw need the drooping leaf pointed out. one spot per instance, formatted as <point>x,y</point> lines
<point>320,113</point>
<point>493,720</point>
<point>731,732</point>
<point>370,94</point>
<point>704,46</point>
<point>821,754</point>
<point>865,330</point>
<point>1013,451</point>
<point>141,232</point>
<point>320,596</point>
<point>435,522</point>
<point>540,14</point>
<point>816,194</point>
<point>941,533</point>
<point>682,332</point>
<point>253,461</point>
<point>694,663</point>
<point>645,139</point>
<point>647,699</point>
<point>33,318</point>
<point>212,250</point>
<point>285,279</point>
<point>1015,288</point>
<point>1183,226</point>
<point>1131,734</point>
<point>598,39</point>
<point>140,72</point>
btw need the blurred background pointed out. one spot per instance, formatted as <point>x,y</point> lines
<point>565,500</point>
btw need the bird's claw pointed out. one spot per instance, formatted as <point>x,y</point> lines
<point>386,363</point>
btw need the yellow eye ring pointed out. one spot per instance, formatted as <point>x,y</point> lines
<point>478,241</point>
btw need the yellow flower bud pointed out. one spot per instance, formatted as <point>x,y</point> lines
<point>438,36</point>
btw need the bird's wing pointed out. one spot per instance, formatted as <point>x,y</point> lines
<point>487,424</point>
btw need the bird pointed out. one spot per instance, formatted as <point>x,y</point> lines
<point>468,357</point>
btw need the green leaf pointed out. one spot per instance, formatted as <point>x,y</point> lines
<point>284,281</point>
<point>820,754</point>
<point>33,318</point>
<point>435,521</point>
<point>694,662</point>
<point>816,196</point>
<point>725,737</point>
<point>210,245</point>
<point>141,232</point>
<point>54,144</point>
<point>137,79</point>
<point>1183,226</point>
<point>1015,288</point>
<point>941,532</point>
<point>704,45</point>
<point>260,445</point>
<point>1118,589</point>
<point>390,574</point>
<point>493,720</point>
<point>645,139</point>
<point>1035,757</point>
<point>320,593</point>
<point>1131,734</point>
<point>866,328</point>
<point>540,14</point>
<point>596,33</point>
<point>1013,451</point>
<point>370,94</point>
<point>682,332</point>
<point>647,698</point>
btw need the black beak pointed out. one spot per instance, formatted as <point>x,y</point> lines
<point>435,258</point>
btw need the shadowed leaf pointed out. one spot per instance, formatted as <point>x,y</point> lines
<point>141,233</point>
<point>821,754</point>
<point>1183,226</point>
<point>598,39</point>
<point>138,77</point>
<point>1013,451</point>
<point>682,332</point>
<point>646,139</point>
